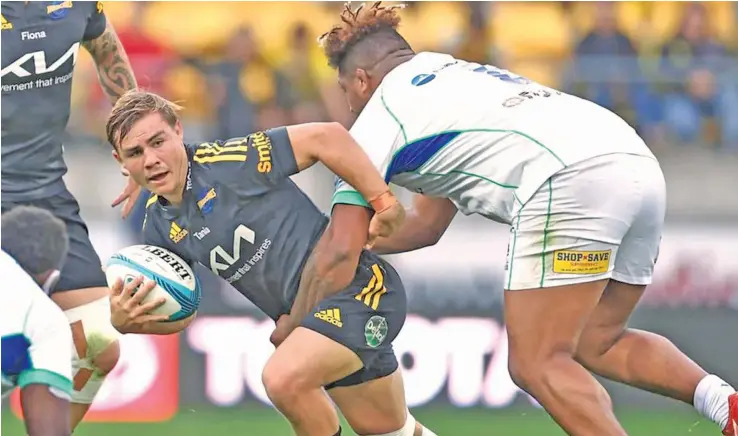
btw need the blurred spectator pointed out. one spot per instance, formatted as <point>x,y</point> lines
<point>302,70</point>
<point>688,63</point>
<point>475,45</point>
<point>247,92</point>
<point>605,68</point>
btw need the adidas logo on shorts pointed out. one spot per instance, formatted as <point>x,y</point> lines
<point>332,316</point>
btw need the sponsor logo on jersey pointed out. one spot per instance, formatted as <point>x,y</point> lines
<point>176,233</point>
<point>35,63</point>
<point>263,146</point>
<point>202,233</point>
<point>25,35</point>
<point>422,79</point>
<point>58,9</point>
<point>6,25</point>
<point>375,331</point>
<point>206,200</point>
<point>221,260</point>
<point>176,264</point>
<point>331,316</point>
<point>581,262</point>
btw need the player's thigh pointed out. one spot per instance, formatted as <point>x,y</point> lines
<point>609,319</point>
<point>357,324</point>
<point>373,407</point>
<point>82,267</point>
<point>543,322</point>
<point>307,359</point>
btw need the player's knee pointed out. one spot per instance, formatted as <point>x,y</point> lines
<point>530,371</point>
<point>281,383</point>
<point>595,343</point>
<point>409,428</point>
<point>96,348</point>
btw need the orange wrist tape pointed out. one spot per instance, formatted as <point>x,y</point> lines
<point>383,201</point>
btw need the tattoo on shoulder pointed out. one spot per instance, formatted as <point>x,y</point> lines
<point>113,67</point>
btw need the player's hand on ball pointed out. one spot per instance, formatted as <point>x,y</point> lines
<point>127,313</point>
<point>128,196</point>
<point>283,328</point>
<point>385,223</point>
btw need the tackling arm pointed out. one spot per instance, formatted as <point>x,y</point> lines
<point>424,225</point>
<point>332,264</point>
<point>113,68</point>
<point>332,144</point>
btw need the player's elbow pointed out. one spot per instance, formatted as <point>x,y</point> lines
<point>312,140</point>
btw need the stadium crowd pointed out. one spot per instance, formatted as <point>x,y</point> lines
<point>669,68</point>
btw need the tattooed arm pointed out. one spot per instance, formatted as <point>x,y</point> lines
<point>113,68</point>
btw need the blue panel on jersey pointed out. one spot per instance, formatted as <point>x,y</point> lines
<point>415,154</point>
<point>15,356</point>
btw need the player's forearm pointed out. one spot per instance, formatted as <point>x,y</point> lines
<point>113,67</point>
<point>414,234</point>
<point>326,272</point>
<point>331,144</point>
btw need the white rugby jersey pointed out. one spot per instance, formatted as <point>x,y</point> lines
<point>36,338</point>
<point>480,136</point>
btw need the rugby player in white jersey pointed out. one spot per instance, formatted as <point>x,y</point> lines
<point>36,338</point>
<point>582,192</point>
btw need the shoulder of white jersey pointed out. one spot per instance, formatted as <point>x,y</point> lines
<point>15,278</point>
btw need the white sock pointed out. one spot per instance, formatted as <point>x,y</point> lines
<point>427,432</point>
<point>711,399</point>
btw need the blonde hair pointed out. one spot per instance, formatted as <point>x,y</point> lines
<point>134,105</point>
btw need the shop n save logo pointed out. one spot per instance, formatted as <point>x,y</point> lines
<point>143,387</point>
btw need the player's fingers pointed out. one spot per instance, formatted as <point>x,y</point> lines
<point>117,287</point>
<point>154,318</point>
<point>120,199</point>
<point>127,208</point>
<point>145,309</point>
<point>143,291</point>
<point>130,288</point>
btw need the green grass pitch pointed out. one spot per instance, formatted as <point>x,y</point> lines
<point>444,421</point>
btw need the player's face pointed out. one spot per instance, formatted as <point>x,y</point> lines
<point>153,153</point>
<point>358,89</point>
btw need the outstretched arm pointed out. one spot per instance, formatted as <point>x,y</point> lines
<point>333,262</point>
<point>113,68</point>
<point>426,222</point>
<point>332,144</point>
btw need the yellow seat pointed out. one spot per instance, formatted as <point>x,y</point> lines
<point>191,27</point>
<point>185,85</point>
<point>722,21</point>
<point>532,29</point>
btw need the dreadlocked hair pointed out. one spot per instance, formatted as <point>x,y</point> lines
<point>357,25</point>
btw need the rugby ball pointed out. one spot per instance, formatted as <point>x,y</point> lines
<point>175,280</point>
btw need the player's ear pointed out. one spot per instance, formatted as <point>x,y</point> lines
<point>117,156</point>
<point>178,130</point>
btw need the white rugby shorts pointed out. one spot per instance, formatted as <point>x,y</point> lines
<point>598,219</point>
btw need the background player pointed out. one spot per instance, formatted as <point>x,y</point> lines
<point>583,193</point>
<point>40,45</point>
<point>232,207</point>
<point>36,352</point>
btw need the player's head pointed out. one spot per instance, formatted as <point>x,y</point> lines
<point>37,240</point>
<point>147,139</point>
<point>364,48</point>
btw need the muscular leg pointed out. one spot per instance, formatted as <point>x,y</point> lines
<point>638,358</point>
<point>103,358</point>
<point>295,375</point>
<point>376,407</point>
<point>544,327</point>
